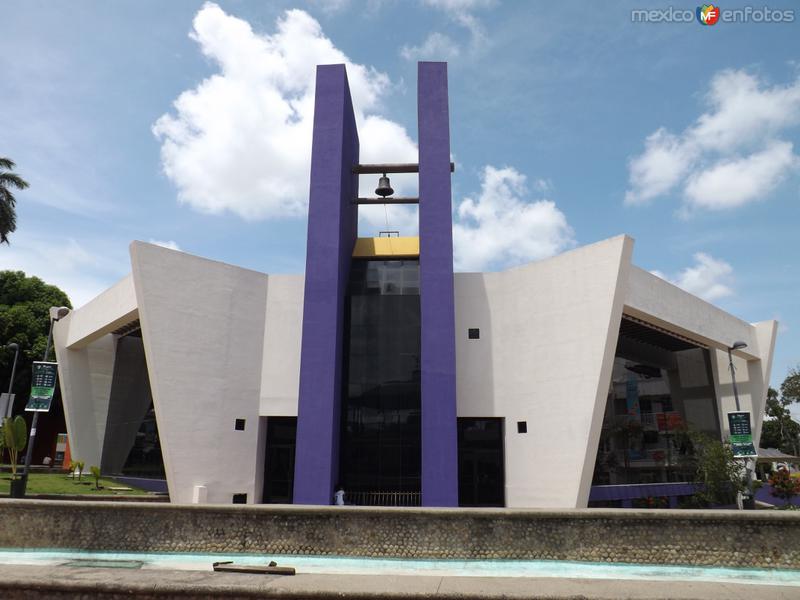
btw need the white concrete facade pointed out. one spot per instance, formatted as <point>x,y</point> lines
<point>223,343</point>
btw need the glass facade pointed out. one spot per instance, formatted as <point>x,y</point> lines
<point>380,435</point>
<point>660,387</point>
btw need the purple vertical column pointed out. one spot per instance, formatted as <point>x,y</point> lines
<point>332,231</point>
<point>439,433</point>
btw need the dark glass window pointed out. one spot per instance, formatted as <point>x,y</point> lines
<point>131,445</point>
<point>474,333</point>
<point>279,461</point>
<point>144,459</point>
<point>481,480</point>
<point>522,427</point>
<point>380,441</point>
<point>239,425</point>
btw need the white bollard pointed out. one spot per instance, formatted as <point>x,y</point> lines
<point>199,494</point>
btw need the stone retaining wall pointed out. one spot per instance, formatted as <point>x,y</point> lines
<point>735,538</point>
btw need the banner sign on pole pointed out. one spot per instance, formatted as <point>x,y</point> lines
<point>43,386</point>
<point>741,435</point>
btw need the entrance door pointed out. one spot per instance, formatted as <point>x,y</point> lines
<point>481,475</point>
<point>279,461</point>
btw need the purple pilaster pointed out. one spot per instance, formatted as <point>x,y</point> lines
<point>437,312</point>
<point>332,231</point>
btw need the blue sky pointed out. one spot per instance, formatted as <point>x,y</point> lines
<point>188,123</point>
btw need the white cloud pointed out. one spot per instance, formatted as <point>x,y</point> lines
<point>501,227</point>
<point>737,181</point>
<point>440,46</point>
<point>437,46</point>
<point>241,140</point>
<point>665,161</point>
<point>709,278</point>
<point>330,6</point>
<point>737,137</point>
<point>744,111</point>
<point>478,37</point>
<point>459,5</point>
<point>171,244</point>
<point>82,269</point>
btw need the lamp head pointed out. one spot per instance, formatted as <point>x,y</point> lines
<point>738,345</point>
<point>58,312</point>
<point>13,346</point>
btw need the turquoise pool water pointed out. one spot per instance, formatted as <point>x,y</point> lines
<point>376,566</point>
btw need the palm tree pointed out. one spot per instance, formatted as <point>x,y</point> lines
<point>8,213</point>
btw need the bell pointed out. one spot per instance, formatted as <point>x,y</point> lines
<point>384,187</point>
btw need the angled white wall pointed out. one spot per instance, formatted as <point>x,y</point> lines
<point>103,314</point>
<point>85,348</point>
<point>203,332</point>
<point>661,303</point>
<point>85,376</point>
<point>548,331</point>
<point>280,375</point>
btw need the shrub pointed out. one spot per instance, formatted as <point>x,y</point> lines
<point>717,469</point>
<point>95,471</point>
<point>15,438</point>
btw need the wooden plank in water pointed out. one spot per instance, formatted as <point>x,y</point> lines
<point>257,569</point>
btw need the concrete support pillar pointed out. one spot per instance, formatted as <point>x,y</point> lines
<point>439,432</point>
<point>332,231</point>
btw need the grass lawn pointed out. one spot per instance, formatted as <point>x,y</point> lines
<point>58,483</point>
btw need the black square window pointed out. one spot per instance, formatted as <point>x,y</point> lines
<point>522,427</point>
<point>474,333</point>
<point>240,498</point>
<point>239,425</point>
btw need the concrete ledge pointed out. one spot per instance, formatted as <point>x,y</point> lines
<point>721,538</point>
<point>94,498</point>
<point>55,583</point>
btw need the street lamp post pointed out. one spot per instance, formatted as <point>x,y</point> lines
<point>55,315</point>
<point>736,346</point>
<point>739,346</point>
<point>15,347</point>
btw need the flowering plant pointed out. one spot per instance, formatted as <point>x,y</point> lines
<point>784,485</point>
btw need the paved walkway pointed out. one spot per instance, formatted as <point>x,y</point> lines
<point>65,582</point>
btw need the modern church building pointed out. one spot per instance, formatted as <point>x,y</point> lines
<point>558,383</point>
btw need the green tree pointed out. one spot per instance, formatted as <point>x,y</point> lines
<point>8,211</point>
<point>779,430</point>
<point>790,388</point>
<point>25,319</point>
<point>715,468</point>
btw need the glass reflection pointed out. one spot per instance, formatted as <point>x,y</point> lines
<point>655,396</point>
